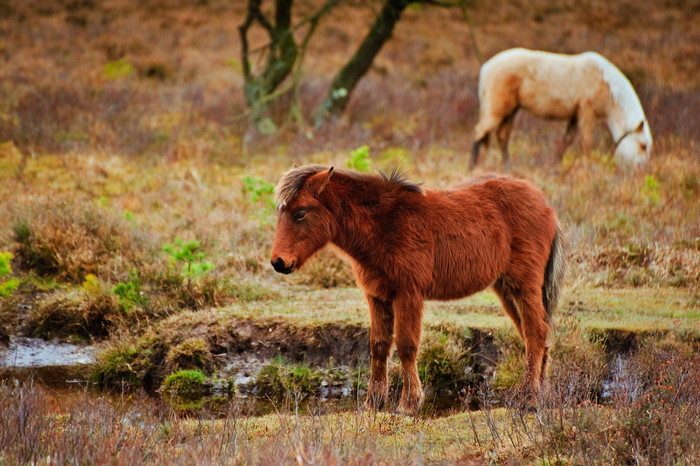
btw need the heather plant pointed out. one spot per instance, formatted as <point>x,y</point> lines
<point>84,312</point>
<point>69,238</point>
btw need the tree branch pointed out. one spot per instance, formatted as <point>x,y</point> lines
<point>347,78</point>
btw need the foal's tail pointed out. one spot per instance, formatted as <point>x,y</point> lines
<point>553,274</point>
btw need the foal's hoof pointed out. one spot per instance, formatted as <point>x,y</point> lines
<point>411,408</point>
<point>375,401</point>
<point>526,400</point>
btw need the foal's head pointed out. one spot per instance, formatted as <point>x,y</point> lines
<point>303,223</point>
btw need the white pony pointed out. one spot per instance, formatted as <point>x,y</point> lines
<point>580,88</point>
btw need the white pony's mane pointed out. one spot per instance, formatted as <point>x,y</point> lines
<point>621,91</point>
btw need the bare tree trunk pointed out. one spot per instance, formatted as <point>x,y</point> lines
<point>280,58</point>
<point>347,78</point>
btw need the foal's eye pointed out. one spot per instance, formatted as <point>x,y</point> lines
<point>300,215</point>
<point>644,147</point>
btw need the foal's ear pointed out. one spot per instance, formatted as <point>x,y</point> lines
<point>640,128</point>
<point>325,181</point>
<point>319,182</point>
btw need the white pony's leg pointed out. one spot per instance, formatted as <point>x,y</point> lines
<point>569,136</point>
<point>586,120</point>
<point>486,124</point>
<point>504,130</point>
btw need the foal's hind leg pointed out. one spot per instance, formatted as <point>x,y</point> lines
<point>380,339</point>
<point>409,315</point>
<point>506,298</point>
<point>535,329</point>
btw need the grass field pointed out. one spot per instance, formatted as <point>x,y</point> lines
<point>136,214</point>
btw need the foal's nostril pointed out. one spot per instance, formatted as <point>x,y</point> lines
<point>278,264</point>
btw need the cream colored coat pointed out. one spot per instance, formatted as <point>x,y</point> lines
<point>580,88</point>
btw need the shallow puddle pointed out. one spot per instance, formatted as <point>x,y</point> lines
<point>35,352</point>
<point>52,363</point>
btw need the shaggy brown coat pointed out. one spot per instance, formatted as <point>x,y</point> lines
<point>408,244</point>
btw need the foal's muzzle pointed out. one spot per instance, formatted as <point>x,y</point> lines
<point>281,267</point>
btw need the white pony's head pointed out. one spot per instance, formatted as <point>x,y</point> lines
<point>634,147</point>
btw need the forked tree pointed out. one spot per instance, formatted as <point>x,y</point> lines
<point>284,55</point>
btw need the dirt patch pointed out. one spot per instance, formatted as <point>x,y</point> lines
<point>345,344</point>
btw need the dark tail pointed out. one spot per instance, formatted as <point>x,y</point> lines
<point>553,274</point>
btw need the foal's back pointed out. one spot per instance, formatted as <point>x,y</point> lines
<point>484,228</point>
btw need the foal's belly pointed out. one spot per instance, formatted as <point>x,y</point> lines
<point>458,279</point>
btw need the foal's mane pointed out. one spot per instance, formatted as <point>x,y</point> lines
<point>293,180</point>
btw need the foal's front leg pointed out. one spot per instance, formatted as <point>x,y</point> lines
<point>380,339</point>
<point>409,317</point>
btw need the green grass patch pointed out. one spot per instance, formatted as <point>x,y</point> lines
<point>664,309</point>
<point>185,389</point>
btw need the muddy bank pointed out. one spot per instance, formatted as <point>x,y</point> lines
<point>263,359</point>
<point>237,351</point>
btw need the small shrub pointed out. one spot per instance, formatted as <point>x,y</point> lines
<point>92,285</point>
<point>186,252</point>
<point>5,267</point>
<point>192,283</point>
<point>259,190</point>
<point>193,353</point>
<point>123,367</point>
<point>278,379</point>
<point>130,293</point>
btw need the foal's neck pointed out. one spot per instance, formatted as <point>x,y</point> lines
<point>359,216</point>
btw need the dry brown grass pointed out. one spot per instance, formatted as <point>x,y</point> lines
<point>652,418</point>
<point>69,237</point>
